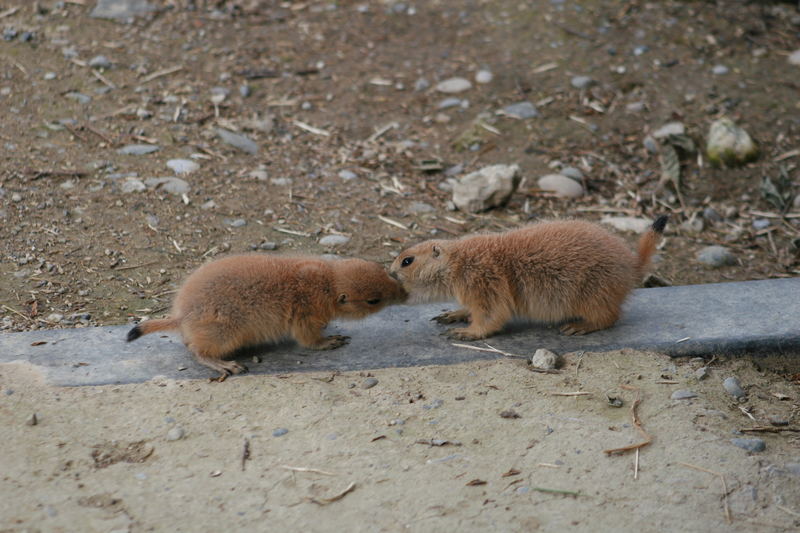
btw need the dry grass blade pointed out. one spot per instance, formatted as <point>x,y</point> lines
<point>303,469</point>
<point>726,509</point>
<point>311,129</point>
<point>769,429</point>
<point>160,73</point>
<point>577,393</point>
<point>636,423</point>
<point>392,222</point>
<point>325,501</point>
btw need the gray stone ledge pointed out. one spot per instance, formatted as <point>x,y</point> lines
<point>754,317</point>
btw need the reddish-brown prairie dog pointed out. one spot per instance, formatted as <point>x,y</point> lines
<point>569,272</point>
<point>246,300</point>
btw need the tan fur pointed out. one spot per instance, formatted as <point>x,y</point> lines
<point>246,300</point>
<point>570,272</point>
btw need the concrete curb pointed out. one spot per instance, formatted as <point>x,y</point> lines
<point>754,317</point>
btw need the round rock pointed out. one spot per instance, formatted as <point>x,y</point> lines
<point>280,432</point>
<point>176,433</point>
<point>138,149</point>
<point>561,185</point>
<point>484,76</point>
<point>544,359</point>
<point>716,256</point>
<point>171,185</point>
<point>521,110</point>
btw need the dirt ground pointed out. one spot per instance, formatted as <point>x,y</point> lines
<point>332,88</point>
<point>72,243</point>
<point>516,457</point>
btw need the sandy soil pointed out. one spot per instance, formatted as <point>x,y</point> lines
<point>99,458</point>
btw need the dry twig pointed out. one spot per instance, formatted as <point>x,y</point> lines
<point>636,423</point>
<point>325,501</point>
<point>727,509</point>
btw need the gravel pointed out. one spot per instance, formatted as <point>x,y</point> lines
<point>100,61</point>
<point>484,76</point>
<point>169,184</point>
<point>280,432</point>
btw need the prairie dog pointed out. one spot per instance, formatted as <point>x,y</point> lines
<point>245,300</point>
<point>569,272</point>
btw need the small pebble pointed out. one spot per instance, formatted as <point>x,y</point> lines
<point>734,387</point>
<point>421,84</point>
<point>582,82</point>
<point>683,394</point>
<point>236,223</point>
<point>761,223</point>
<point>794,58</point>
<point>175,433</point>
<point>182,166</point>
<point>521,110</point>
<point>454,85</point>
<point>483,76</point>
<point>701,373</point>
<point>778,421</point>
<point>544,359</point>
<point>670,128</point>
<point>172,185</point>
<point>720,70</point>
<point>751,445</point>
<point>256,359</point>
<point>268,246</point>
<point>561,185</point>
<point>369,383</point>
<point>710,215</point>
<point>138,149</point>
<point>32,420</point>
<point>244,90</point>
<point>448,102</point>
<point>572,172</point>
<point>240,142</point>
<point>100,61</point>
<point>347,175</point>
<point>334,240</point>
<point>16,197</point>
<point>716,256</point>
<point>635,107</point>
<point>78,97</point>
<point>280,432</point>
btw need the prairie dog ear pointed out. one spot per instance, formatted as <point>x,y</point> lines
<point>342,299</point>
<point>436,250</point>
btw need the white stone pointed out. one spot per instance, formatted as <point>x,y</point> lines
<point>454,85</point>
<point>133,185</point>
<point>729,145</point>
<point>794,58</point>
<point>544,359</point>
<point>670,128</point>
<point>170,184</point>
<point>631,224</point>
<point>561,185</point>
<point>486,188</point>
<point>483,76</point>
<point>334,240</point>
<point>182,166</point>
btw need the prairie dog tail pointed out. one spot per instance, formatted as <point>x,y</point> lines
<point>149,326</point>
<point>647,244</point>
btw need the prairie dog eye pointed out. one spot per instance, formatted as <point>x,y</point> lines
<point>407,261</point>
<point>374,301</point>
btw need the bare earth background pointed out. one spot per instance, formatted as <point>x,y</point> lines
<point>351,143</point>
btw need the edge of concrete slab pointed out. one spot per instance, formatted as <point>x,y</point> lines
<point>756,317</point>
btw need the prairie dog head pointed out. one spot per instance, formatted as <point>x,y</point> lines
<point>423,271</point>
<point>364,287</point>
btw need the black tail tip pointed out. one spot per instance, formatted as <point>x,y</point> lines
<point>134,334</point>
<point>660,223</point>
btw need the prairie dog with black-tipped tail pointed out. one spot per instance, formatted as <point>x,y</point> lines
<point>568,272</point>
<point>245,300</point>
